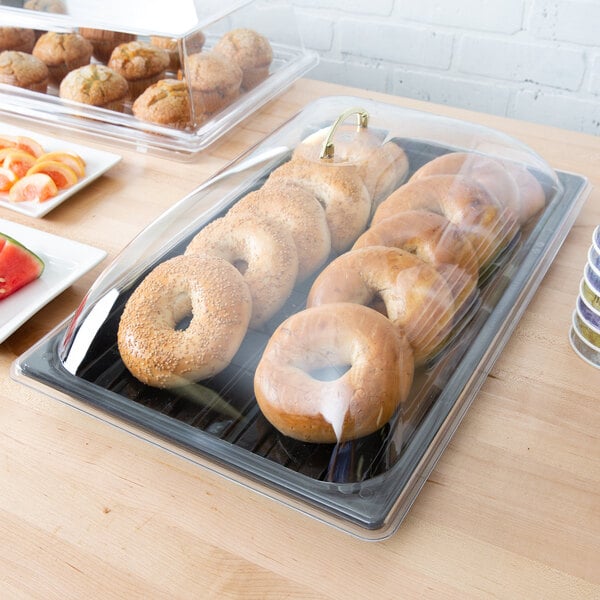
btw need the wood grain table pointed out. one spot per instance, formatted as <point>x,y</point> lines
<point>512,509</point>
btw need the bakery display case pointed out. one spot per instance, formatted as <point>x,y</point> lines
<point>166,79</point>
<point>338,397</point>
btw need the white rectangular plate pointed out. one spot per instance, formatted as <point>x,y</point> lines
<point>65,262</point>
<point>97,162</point>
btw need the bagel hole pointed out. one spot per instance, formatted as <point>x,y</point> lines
<point>183,323</point>
<point>182,311</point>
<point>330,373</point>
<point>241,265</point>
<point>378,304</point>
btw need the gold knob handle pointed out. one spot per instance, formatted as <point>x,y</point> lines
<point>362,120</point>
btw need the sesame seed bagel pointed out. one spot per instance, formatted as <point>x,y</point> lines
<point>296,209</point>
<point>206,288</point>
<point>262,250</point>
<point>339,189</point>
<point>382,166</point>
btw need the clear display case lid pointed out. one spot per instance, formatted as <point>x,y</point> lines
<point>421,134</point>
<point>364,485</point>
<point>197,24</point>
<point>175,19</point>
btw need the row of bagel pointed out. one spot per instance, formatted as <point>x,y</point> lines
<point>390,265</point>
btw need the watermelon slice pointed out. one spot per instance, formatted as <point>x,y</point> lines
<point>18,266</point>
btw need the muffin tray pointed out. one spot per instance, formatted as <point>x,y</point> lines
<point>288,65</point>
<point>364,487</point>
<point>290,61</point>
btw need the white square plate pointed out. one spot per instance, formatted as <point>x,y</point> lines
<point>65,262</point>
<point>97,162</point>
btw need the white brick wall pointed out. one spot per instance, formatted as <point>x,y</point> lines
<point>537,60</point>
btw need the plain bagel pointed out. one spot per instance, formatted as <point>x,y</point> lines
<point>333,373</point>
<point>464,203</point>
<point>432,238</point>
<point>416,297</point>
<point>485,170</point>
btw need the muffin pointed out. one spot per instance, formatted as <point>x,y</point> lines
<point>193,43</point>
<point>214,82</point>
<point>50,6</point>
<point>171,46</point>
<point>96,85</point>
<point>47,6</point>
<point>23,70</point>
<point>166,102</point>
<point>62,52</point>
<point>251,51</point>
<point>17,38</point>
<point>140,63</point>
<point>104,41</point>
<point>177,48</point>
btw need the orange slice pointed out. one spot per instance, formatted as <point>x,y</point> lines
<point>29,145</point>
<point>62,175</point>
<point>37,187</point>
<point>18,161</point>
<point>69,158</point>
<point>7,142</point>
<point>7,179</point>
<point>4,152</point>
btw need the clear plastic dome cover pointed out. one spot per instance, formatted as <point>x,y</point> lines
<point>334,393</point>
<point>209,96</point>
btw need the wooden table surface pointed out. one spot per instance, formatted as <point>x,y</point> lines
<point>512,509</point>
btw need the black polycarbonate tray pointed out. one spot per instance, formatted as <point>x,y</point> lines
<point>365,486</point>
